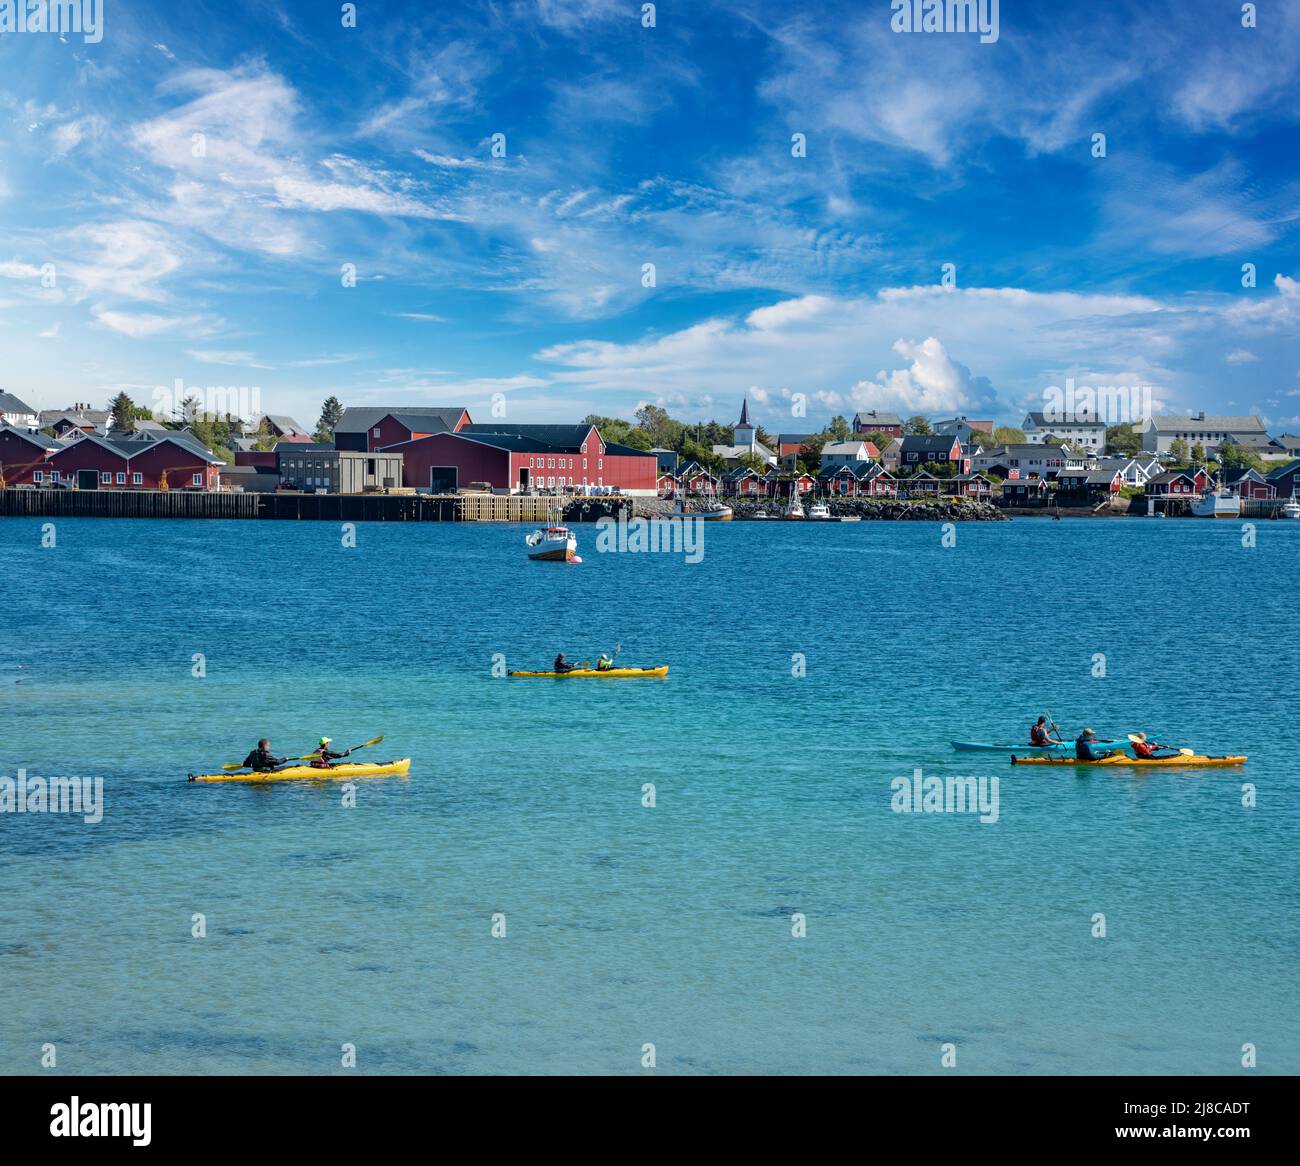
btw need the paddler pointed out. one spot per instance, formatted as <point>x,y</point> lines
<point>322,757</point>
<point>561,664</point>
<point>1085,747</point>
<point>1146,749</point>
<point>262,760</point>
<point>604,663</point>
<point>1038,734</point>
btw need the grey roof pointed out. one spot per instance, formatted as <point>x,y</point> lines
<point>287,425</point>
<point>1219,424</point>
<point>566,437</point>
<point>873,417</point>
<point>929,443</point>
<point>11,404</point>
<point>836,448</point>
<point>1026,450</point>
<point>358,419</point>
<point>792,438</point>
<point>37,439</point>
<point>1048,420</point>
<point>131,444</point>
<point>1284,471</point>
<point>612,447</point>
<point>1251,440</point>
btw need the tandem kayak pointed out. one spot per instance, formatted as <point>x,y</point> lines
<point>1179,762</point>
<point>1054,748</point>
<point>662,670</point>
<point>308,773</point>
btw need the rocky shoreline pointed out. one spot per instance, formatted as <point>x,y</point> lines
<point>868,509</point>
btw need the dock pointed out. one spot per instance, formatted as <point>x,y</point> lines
<point>291,506</point>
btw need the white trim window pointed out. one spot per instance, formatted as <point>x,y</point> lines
<point>375,431</point>
<point>137,478</point>
<point>38,475</point>
<point>121,477</point>
<point>197,480</point>
<point>54,475</point>
<point>106,477</point>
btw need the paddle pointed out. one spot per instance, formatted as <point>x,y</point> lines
<point>1156,745</point>
<point>312,756</point>
<point>1048,714</point>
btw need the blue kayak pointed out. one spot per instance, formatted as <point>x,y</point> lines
<point>1021,750</point>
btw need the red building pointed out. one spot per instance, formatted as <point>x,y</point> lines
<point>519,458</point>
<point>375,428</point>
<point>173,460</point>
<point>874,422</point>
<point>23,455</point>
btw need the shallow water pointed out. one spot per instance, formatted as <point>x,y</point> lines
<point>627,925</point>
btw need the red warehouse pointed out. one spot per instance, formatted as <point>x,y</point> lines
<point>144,461</point>
<point>519,458</point>
<point>375,428</point>
<point>23,455</point>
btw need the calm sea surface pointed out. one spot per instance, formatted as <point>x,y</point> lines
<point>670,925</point>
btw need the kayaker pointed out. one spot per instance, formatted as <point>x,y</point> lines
<point>561,664</point>
<point>1085,747</point>
<point>262,760</point>
<point>1145,749</point>
<point>604,663</point>
<point>322,757</point>
<point>1038,734</point>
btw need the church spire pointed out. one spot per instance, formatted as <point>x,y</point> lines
<point>744,412</point>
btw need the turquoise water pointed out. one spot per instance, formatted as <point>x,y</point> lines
<point>669,925</point>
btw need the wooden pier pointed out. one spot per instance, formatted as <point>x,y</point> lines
<point>290,506</point>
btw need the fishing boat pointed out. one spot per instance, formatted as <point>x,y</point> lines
<point>715,512</point>
<point>553,544</point>
<point>1217,504</point>
<point>761,514</point>
<point>795,508</point>
<point>819,512</point>
<point>1291,509</point>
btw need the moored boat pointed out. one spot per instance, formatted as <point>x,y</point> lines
<point>553,544</point>
<point>1290,509</point>
<point>819,512</point>
<point>714,512</point>
<point>1217,504</point>
<point>310,773</point>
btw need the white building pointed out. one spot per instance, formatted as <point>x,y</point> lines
<point>745,441</point>
<point>17,413</point>
<point>1084,429</point>
<point>1029,461</point>
<point>845,453</point>
<point>1159,433</point>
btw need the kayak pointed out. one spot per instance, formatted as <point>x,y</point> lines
<point>1179,761</point>
<point>307,773</point>
<point>1056,747</point>
<point>662,670</point>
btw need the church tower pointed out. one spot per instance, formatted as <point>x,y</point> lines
<point>744,430</point>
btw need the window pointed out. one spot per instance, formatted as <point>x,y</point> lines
<point>550,463</point>
<point>137,478</point>
<point>54,475</point>
<point>370,465</point>
<point>600,463</point>
<point>584,460</point>
<point>106,478</point>
<point>38,475</point>
<point>197,480</point>
<point>121,477</point>
<point>375,431</point>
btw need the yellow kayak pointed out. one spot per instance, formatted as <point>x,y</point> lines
<point>1180,761</point>
<point>308,773</point>
<point>662,670</point>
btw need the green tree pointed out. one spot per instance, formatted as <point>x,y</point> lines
<point>1238,457</point>
<point>1123,440</point>
<point>840,429</point>
<point>266,439</point>
<point>123,413</point>
<point>1178,451</point>
<point>656,423</point>
<point>1198,454</point>
<point>752,461</point>
<point>331,412</point>
<point>917,426</point>
<point>878,439</point>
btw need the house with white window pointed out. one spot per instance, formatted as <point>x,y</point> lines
<point>1086,430</point>
<point>1028,461</point>
<point>848,453</point>
<point>17,413</point>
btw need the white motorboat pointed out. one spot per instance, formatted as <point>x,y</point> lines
<point>1290,509</point>
<point>553,543</point>
<point>715,512</point>
<point>1217,504</point>
<point>819,510</point>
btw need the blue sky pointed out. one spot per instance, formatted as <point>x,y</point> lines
<point>671,145</point>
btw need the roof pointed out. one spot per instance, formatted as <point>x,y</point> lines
<point>11,404</point>
<point>37,439</point>
<point>792,438</point>
<point>510,442</point>
<point>286,424</point>
<point>357,419</point>
<point>1284,471</point>
<point>1062,420</point>
<point>559,437</point>
<point>613,447</point>
<point>873,417</point>
<point>1219,424</point>
<point>1170,476</point>
<point>744,412</point>
<point>1240,474</point>
<point>1027,450</point>
<point>836,448</point>
<point>1251,440</point>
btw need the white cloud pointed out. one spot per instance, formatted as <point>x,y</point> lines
<point>1241,356</point>
<point>141,325</point>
